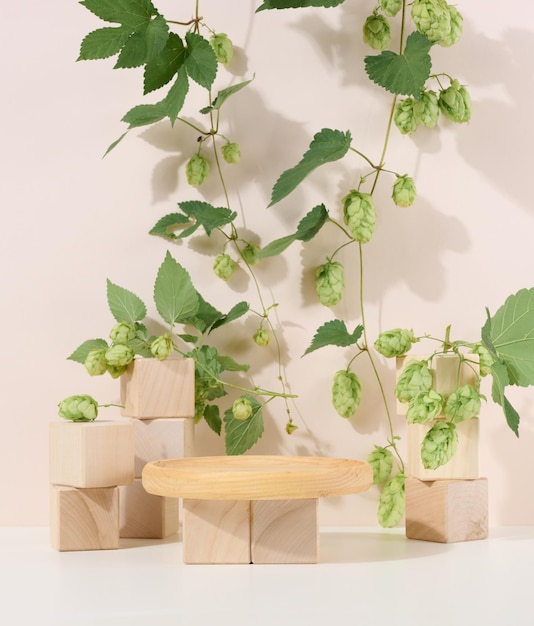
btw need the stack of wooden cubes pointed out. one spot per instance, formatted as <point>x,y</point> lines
<point>95,467</point>
<point>448,504</point>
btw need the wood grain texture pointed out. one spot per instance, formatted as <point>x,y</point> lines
<point>145,516</point>
<point>256,477</point>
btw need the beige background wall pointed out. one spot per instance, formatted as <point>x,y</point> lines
<point>72,219</point>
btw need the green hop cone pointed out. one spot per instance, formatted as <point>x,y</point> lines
<point>381,460</point>
<point>439,445</point>
<point>122,333</point>
<point>231,153</point>
<point>346,393</point>
<point>162,347</point>
<point>391,7</point>
<point>250,253</point>
<point>330,282</point>
<point>463,404</point>
<point>392,501</point>
<point>415,377</point>
<point>224,266</point>
<point>426,109</point>
<point>455,103</point>
<point>484,358</point>
<point>456,27</point>
<point>81,408</point>
<point>424,407</point>
<point>395,342</point>
<point>197,170</point>
<point>116,371</point>
<point>377,32</point>
<point>404,116</point>
<point>223,47</point>
<point>119,355</point>
<point>95,362</point>
<point>242,408</point>
<point>432,18</point>
<point>262,337</point>
<point>359,215</point>
<point>404,192</point>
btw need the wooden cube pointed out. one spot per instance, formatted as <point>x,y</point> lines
<point>168,438</point>
<point>91,454</point>
<point>145,516</point>
<point>464,463</point>
<point>285,531</point>
<point>151,388</point>
<point>216,531</point>
<point>447,511</point>
<point>84,519</point>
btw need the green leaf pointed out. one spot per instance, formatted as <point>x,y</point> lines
<point>160,70</point>
<point>175,297</point>
<point>223,95</point>
<point>334,333</point>
<point>144,114</point>
<point>312,223</point>
<point>294,4</point>
<point>131,13</point>
<point>174,100</point>
<point>200,62</point>
<point>327,146</point>
<point>241,435</point>
<point>124,305</point>
<point>276,247</point>
<point>228,364</point>
<point>103,43</point>
<point>206,215</point>
<point>212,417</point>
<point>233,314</point>
<point>499,374</point>
<point>167,224</point>
<point>402,73</point>
<point>115,143</point>
<point>80,354</point>
<point>144,44</point>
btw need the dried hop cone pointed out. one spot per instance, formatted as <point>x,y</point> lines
<point>346,393</point>
<point>426,109</point>
<point>424,407</point>
<point>223,47</point>
<point>224,266</point>
<point>242,408</point>
<point>122,333</point>
<point>197,170</point>
<point>456,27</point>
<point>262,337</point>
<point>463,404</point>
<point>404,192</point>
<point>392,501</point>
<point>95,362</point>
<point>359,215</point>
<point>231,153</point>
<point>395,342</point>
<point>415,377</point>
<point>439,445</point>
<point>381,461</point>
<point>82,408</point>
<point>330,282</point>
<point>162,347</point>
<point>391,7</point>
<point>119,355</point>
<point>404,116</point>
<point>485,359</point>
<point>432,18</point>
<point>455,103</point>
<point>377,32</point>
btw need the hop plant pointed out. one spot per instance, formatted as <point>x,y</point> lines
<point>162,347</point>
<point>463,404</point>
<point>424,407</point>
<point>455,103</point>
<point>223,47</point>
<point>250,253</point>
<point>346,393</point>
<point>377,32</point>
<point>404,192</point>
<point>82,408</point>
<point>415,377</point>
<point>122,333</point>
<point>224,266</point>
<point>261,337</point>
<point>391,7</point>
<point>95,362</point>
<point>231,153</point>
<point>119,355</point>
<point>330,282</point>
<point>381,461</point>
<point>395,342</point>
<point>439,445</point>
<point>359,215</point>
<point>485,359</point>
<point>242,408</point>
<point>197,170</point>
<point>116,370</point>
<point>404,116</point>
<point>456,27</point>
<point>426,109</point>
<point>392,501</point>
<point>432,18</point>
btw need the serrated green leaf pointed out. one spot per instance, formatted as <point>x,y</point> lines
<point>224,94</point>
<point>103,43</point>
<point>405,73</point>
<point>80,354</point>
<point>297,4</point>
<point>175,297</point>
<point>144,44</point>
<point>140,348</point>
<point>200,62</point>
<point>144,114</point>
<point>206,215</point>
<point>312,223</point>
<point>500,378</point>
<point>174,100</point>
<point>132,13</point>
<point>241,435</point>
<point>205,316</point>
<point>334,333</point>
<point>213,419</point>
<point>327,146</point>
<point>124,305</point>
<point>276,247</point>
<point>233,314</point>
<point>160,70</point>
<point>228,364</point>
<point>167,224</point>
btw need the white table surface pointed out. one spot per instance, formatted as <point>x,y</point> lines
<point>367,577</point>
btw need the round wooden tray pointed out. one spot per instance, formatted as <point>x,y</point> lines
<point>256,477</point>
